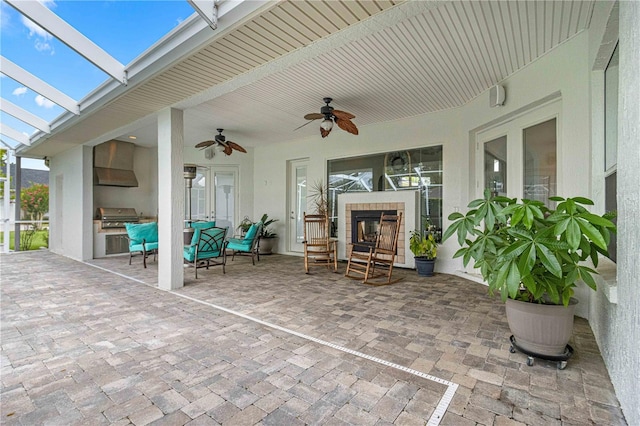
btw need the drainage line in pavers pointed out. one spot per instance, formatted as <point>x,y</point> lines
<point>438,412</point>
<point>440,409</point>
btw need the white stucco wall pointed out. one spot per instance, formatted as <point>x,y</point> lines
<point>71,188</point>
<point>617,325</point>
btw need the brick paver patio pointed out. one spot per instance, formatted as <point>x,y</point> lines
<point>97,343</point>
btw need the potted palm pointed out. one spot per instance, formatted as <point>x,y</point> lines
<point>425,250</point>
<point>533,256</point>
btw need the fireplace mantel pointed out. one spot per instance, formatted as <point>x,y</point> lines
<point>402,201</point>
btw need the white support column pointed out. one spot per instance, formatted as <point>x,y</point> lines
<point>170,198</point>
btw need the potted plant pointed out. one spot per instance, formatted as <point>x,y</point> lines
<point>425,250</point>
<point>267,236</point>
<point>533,256</point>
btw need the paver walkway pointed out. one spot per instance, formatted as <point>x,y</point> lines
<point>82,345</point>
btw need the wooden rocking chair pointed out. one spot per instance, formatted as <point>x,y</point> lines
<point>377,261</point>
<point>319,248</point>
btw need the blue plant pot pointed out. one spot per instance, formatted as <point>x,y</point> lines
<point>425,266</point>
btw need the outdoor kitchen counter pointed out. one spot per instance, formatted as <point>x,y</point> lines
<point>98,228</point>
<point>100,244</point>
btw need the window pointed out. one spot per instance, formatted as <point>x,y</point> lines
<point>611,141</point>
<point>540,177</point>
<point>414,169</point>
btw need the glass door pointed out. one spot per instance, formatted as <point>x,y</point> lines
<point>213,196</point>
<point>225,198</point>
<point>519,158</point>
<point>297,203</point>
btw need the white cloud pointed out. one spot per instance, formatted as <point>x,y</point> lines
<point>42,37</point>
<point>19,91</point>
<point>35,29</point>
<point>44,102</point>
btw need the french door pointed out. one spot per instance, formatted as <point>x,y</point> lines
<point>297,200</point>
<point>519,158</point>
<point>214,196</point>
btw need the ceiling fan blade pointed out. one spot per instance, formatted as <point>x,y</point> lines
<point>313,116</point>
<point>235,146</point>
<point>347,125</point>
<point>227,149</point>
<point>343,115</point>
<point>299,127</point>
<point>324,132</point>
<point>205,144</point>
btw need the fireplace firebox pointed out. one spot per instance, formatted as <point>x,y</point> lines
<point>364,227</point>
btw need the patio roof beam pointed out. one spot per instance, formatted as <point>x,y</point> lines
<point>24,116</point>
<point>23,76</point>
<point>12,133</point>
<point>49,21</point>
<point>208,10</point>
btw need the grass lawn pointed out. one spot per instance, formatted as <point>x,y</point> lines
<point>39,240</point>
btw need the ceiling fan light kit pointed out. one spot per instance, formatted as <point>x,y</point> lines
<point>330,116</point>
<point>221,144</point>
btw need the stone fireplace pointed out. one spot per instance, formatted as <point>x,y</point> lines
<point>365,209</point>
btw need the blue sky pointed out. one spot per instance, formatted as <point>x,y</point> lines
<point>123,28</point>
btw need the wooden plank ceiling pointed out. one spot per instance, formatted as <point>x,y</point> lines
<point>439,55</point>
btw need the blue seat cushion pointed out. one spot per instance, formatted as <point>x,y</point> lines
<point>251,233</point>
<point>239,245</point>
<point>202,225</point>
<point>139,232</point>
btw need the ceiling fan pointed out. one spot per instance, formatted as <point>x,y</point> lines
<point>329,116</point>
<point>222,142</point>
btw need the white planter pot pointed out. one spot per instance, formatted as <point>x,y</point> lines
<point>541,329</point>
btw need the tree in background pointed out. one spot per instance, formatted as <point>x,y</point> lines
<point>34,201</point>
<point>3,170</point>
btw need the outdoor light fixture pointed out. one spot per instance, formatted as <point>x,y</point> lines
<point>327,124</point>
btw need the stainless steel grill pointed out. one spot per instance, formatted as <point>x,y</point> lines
<point>116,217</point>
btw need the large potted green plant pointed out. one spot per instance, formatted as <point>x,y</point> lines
<point>425,250</point>
<point>533,256</point>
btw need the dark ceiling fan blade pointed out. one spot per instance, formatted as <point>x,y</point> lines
<point>324,132</point>
<point>313,116</point>
<point>343,115</point>
<point>235,146</point>
<point>205,144</point>
<point>227,149</point>
<point>347,125</point>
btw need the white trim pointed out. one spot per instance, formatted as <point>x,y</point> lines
<point>45,18</point>
<point>24,116</point>
<point>23,76</point>
<point>12,133</point>
<point>208,10</point>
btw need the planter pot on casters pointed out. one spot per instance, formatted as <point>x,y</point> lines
<point>541,331</point>
<point>425,266</point>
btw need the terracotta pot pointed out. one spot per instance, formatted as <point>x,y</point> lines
<point>541,329</point>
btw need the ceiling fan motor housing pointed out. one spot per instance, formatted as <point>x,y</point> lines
<point>327,111</point>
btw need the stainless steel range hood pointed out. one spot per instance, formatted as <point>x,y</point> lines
<point>113,164</point>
